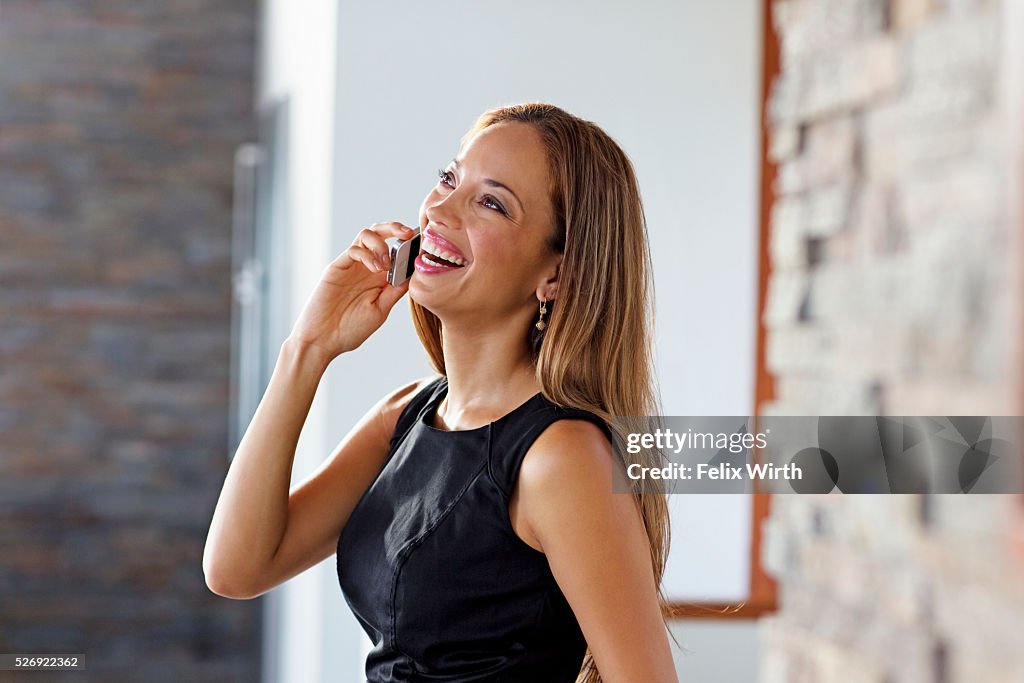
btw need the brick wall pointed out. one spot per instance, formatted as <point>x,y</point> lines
<point>118,125</point>
<point>892,292</point>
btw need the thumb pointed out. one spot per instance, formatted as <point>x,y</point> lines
<point>389,296</point>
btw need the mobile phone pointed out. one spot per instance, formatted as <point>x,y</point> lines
<point>403,257</point>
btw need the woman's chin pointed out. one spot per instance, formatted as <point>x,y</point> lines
<point>423,294</point>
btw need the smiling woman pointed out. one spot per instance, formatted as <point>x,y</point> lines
<point>472,515</point>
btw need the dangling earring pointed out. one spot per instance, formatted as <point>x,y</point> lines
<point>540,324</point>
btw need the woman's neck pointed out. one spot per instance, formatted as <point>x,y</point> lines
<point>490,373</point>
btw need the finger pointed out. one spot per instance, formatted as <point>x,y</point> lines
<point>370,240</point>
<point>374,237</point>
<point>393,229</point>
<point>365,256</point>
<point>389,296</point>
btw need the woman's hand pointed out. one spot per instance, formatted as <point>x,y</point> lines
<point>353,297</point>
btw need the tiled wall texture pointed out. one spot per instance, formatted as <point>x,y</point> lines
<point>118,125</point>
<point>892,292</point>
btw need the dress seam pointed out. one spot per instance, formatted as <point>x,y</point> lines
<point>416,542</point>
<point>506,493</point>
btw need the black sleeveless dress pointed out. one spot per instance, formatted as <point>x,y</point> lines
<point>430,565</point>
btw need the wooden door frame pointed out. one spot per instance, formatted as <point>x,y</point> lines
<point>763,592</point>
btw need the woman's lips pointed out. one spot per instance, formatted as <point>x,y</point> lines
<point>439,244</point>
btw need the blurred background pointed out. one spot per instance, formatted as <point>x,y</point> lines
<point>833,191</point>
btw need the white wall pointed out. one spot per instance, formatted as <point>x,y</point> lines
<point>308,635</point>
<point>677,85</point>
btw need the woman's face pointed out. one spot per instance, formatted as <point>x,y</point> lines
<point>490,213</point>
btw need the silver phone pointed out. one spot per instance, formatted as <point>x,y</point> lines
<point>403,257</point>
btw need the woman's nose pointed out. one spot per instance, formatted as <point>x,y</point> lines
<point>444,211</point>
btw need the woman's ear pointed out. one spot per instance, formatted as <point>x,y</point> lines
<point>548,290</point>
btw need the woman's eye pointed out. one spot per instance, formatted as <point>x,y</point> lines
<point>445,178</point>
<point>491,203</point>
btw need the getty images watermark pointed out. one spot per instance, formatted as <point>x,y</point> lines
<point>786,454</point>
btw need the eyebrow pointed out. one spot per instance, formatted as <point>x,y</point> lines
<point>495,183</point>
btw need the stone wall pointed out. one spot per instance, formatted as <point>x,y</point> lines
<point>118,125</point>
<point>893,291</point>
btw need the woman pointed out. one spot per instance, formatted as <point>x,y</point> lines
<point>477,534</point>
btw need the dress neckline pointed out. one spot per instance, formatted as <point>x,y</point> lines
<point>442,391</point>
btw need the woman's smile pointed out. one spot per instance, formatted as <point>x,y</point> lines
<point>438,254</point>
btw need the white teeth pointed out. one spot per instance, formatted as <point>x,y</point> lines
<point>448,256</point>
<point>432,262</point>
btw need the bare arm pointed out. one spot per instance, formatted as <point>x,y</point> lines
<point>252,511</point>
<point>262,534</point>
<point>564,504</point>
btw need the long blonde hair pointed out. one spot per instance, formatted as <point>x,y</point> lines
<point>596,352</point>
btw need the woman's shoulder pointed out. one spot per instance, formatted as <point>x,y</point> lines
<point>401,396</point>
<point>394,404</point>
<point>578,443</point>
<point>570,445</point>
<point>561,421</point>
